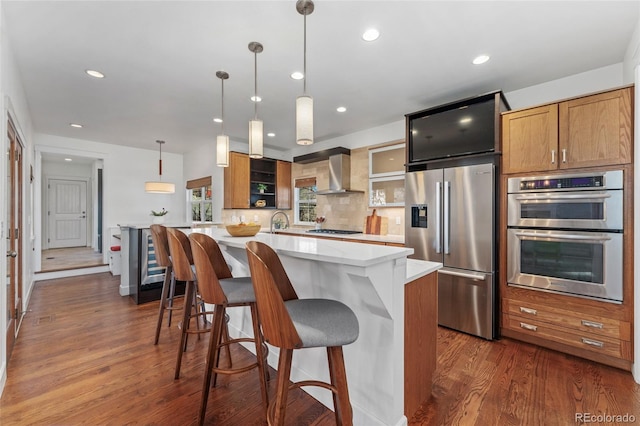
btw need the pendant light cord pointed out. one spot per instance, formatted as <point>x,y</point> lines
<point>255,81</point>
<point>222,105</point>
<point>304,63</point>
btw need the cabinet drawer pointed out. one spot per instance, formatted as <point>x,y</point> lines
<point>588,341</point>
<point>576,321</point>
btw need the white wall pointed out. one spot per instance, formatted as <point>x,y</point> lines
<point>124,174</point>
<point>632,74</point>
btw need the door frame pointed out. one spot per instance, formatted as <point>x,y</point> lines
<point>15,304</point>
<point>39,207</point>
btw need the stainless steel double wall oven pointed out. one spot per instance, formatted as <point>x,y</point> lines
<point>565,234</point>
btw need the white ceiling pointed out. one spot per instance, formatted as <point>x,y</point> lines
<point>160,60</point>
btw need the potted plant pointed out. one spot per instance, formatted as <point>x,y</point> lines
<point>262,187</point>
<point>158,216</point>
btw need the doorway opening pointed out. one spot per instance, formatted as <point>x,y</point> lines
<point>70,212</point>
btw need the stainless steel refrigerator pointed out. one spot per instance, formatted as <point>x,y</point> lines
<point>450,218</point>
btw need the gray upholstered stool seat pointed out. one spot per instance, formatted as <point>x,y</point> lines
<point>323,322</point>
<point>238,290</point>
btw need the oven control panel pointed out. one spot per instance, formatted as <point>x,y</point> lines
<point>612,179</point>
<point>566,183</point>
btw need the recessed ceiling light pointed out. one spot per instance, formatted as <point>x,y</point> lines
<point>68,159</point>
<point>94,73</point>
<point>480,59</point>
<point>76,125</point>
<point>371,34</point>
<point>271,134</point>
<point>217,120</point>
<point>297,75</point>
<point>341,109</point>
<point>256,99</point>
<point>465,120</point>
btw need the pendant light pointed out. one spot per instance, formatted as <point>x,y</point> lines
<point>222,141</point>
<point>255,125</point>
<point>304,103</point>
<point>159,187</point>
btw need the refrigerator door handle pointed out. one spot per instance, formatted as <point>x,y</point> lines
<point>447,185</point>
<point>468,275</point>
<point>438,210</point>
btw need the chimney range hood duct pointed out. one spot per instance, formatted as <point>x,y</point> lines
<point>339,170</point>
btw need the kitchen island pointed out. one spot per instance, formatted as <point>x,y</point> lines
<point>394,354</point>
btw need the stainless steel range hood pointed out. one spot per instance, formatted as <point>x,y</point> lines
<point>339,176</point>
<point>339,170</point>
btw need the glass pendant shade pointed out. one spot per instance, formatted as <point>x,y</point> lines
<point>255,138</point>
<point>159,187</point>
<point>222,151</point>
<point>304,120</point>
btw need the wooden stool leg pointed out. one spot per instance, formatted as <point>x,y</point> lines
<point>188,297</point>
<point>342,406</point>
<point>163,300</point>
<point>212,355</point>
<point>172,294</point>
<point>282,387</point>
<point>260,355</point>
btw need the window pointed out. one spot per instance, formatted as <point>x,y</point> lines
<point>200,201</point>
<point>305,201</point>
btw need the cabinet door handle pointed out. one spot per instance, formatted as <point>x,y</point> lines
<point>529,326</point>
<point>528,311</point>
<point>592,343</point>
<point>553,156</point>
<point>564,155</point>
<point>592,324</point>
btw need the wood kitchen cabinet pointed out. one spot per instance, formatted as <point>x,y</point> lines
<point>594,330</point>
<point>283,185</point>
<point>246,178</point>
<point>236,182</point>
<point>589,131</point>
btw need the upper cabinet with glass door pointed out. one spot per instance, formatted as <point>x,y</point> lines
<point>386,176</point>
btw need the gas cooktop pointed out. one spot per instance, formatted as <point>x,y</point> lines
<point>333,231</point>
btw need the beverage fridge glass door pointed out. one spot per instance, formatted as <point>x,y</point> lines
<point>423,221</point>
<point>468,208</point>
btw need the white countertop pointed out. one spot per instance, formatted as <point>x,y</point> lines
<point>320,249</point>
<point>419,268</point>
<point>398,239</point>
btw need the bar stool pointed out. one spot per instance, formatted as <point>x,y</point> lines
<point>218,287</point>
<point>182,261</point>
<point>290,323</point>
<point>168,296</point>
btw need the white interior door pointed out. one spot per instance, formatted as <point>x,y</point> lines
<point>67,213</point>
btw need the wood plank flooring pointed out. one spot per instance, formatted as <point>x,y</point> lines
<point>85,355</point>
<point>61,259</point>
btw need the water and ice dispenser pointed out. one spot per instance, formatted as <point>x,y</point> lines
<point>418,215</point>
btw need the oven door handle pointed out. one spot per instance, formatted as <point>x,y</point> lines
<point>585,238</point>
<point>555,197</point>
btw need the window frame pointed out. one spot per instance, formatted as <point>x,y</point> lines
<point>203,202</point>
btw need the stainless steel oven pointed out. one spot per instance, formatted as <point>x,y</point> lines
<point>578,201</point>
<point>565,234</point>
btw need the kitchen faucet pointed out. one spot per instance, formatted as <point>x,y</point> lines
<point>286,219</point>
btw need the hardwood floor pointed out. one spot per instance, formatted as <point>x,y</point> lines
<point>85,355</point>
<point>61,259</point>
